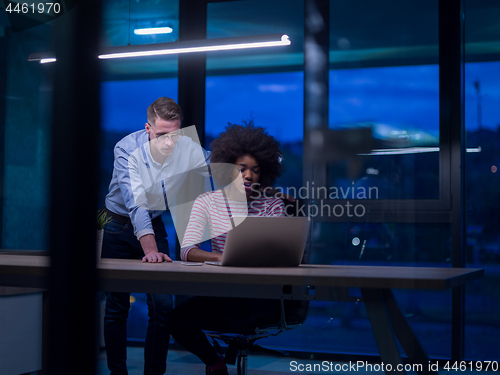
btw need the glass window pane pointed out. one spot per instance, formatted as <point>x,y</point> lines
<point>388,80</point>
<point>25,131</point>
<point>256,17</point>
<point>124,23</point>
<point>26,95</point>
<point>383,33</point>
<point>482,183</point>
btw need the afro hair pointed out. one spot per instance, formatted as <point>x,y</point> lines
<point>239,140</point>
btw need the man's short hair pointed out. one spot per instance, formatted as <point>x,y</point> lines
<point>164,108</point>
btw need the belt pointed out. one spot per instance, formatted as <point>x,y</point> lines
<point>120,218</point>
<point>125,219</point>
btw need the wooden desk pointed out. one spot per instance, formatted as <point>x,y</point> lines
<point>307,282</point>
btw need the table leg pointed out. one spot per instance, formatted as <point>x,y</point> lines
<point>389,322</point>
<point>382,329</point>
<point>409,341</point>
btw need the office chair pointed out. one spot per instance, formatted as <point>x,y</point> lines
<point>293,314</point>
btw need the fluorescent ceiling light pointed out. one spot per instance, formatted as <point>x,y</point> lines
<point>204,45</point>
<point>153,30</point>
<point>475,149</point>
<point>48,60</point>
<point>402,151</point>
<point>413,150</point>
<point>198,46</point>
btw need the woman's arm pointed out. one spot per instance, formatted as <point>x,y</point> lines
<point>198,220</point>
<point>198,255</point>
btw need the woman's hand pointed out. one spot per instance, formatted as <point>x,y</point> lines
<point>198,255</point>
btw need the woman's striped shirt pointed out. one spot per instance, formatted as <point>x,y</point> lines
<point>214,210</point>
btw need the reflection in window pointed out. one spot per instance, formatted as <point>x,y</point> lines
<point>392,244</point>
<point>401,106</point>
<point>122,21</point>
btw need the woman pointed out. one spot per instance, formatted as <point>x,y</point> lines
<point>258,158</point>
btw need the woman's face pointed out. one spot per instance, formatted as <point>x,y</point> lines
<point>250,172</point>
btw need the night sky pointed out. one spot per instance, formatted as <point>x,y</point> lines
<point>405,98</point>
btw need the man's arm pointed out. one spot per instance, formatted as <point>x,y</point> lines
<point>139,216</point>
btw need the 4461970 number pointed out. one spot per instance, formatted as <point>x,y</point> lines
<point>34,8</point>
<point>471,366</point>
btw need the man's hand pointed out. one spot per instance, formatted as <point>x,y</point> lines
<point>156,257</point>
<point>152,255</point>
<point>286,196</point>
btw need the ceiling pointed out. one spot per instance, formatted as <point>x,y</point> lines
<point>363,33</point>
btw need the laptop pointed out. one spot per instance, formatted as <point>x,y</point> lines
<point>266,241</point>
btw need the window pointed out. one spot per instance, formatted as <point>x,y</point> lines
<point>482,179</point>
<point>25,103</point>
<point>385,76</point>
<point>401,106</point>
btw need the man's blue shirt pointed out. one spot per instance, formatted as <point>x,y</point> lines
<point>139,186</point>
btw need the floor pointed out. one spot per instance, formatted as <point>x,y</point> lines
<point>181,362</point>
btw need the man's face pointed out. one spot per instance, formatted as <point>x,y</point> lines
<point>163,135</point>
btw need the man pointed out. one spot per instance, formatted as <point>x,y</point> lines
<point>149,168</point>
